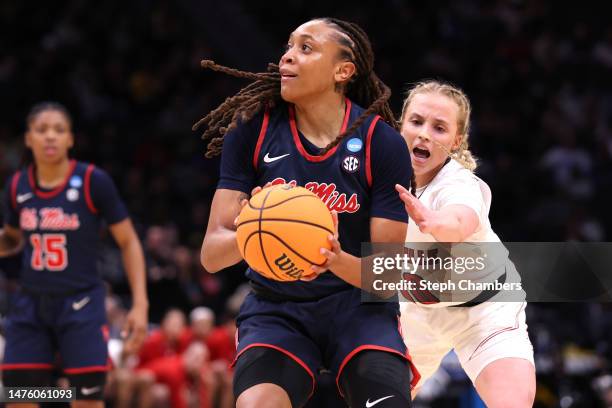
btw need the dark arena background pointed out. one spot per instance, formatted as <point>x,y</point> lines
<point>539,76</point>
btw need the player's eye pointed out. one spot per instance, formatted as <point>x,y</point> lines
<point>287,47</point>
<point>440,129</point>
<point>416,122</point>
<point>306,48</point>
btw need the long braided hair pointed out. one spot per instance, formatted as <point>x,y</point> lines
<point>365,88</point>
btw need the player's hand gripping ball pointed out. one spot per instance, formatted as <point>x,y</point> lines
<point>281,231</point>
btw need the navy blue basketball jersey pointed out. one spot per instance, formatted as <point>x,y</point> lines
<point>61,226</point>
<point>356,178</point>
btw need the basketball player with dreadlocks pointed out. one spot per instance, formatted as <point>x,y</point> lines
<point>320,119</point>
<point>451,205</point>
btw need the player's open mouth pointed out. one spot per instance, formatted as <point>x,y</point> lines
<point>421,153</point>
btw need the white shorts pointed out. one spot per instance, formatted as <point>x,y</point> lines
<point>479,335</point>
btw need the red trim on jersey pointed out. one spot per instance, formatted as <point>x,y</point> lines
<point>56,190</point>
<point>26,366</point>
<point>260,138</point>
<point>87,182</point>
<point>285,352</point>
<point>84,370</point>
<point>415,374</point>
<point>298,142</point>
<point>367,150</point>
<point>14,182</point>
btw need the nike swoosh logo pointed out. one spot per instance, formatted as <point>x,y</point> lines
<point>81,303</point>
<point>89,391</point>
<point>269,159</point>
<point>23,197</point>
<point>371,404</point>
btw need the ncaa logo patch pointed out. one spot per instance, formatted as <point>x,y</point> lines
<point>76,181</point>
<point>354,145</point>
<point>350,164</point>
<point>72,194</point>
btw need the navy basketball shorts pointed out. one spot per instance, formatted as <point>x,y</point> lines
<point>321,334</point>
<point>40,328</point>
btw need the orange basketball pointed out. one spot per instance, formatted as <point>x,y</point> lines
<point>281,231</point>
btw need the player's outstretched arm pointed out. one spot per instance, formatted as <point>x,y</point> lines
<point>452,223</point>
<point>219,249</point>
<point>11,240</point>
<point>135,329</point>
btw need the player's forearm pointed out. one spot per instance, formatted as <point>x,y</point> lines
<point>133,262</point>
<point>447,229</point>
<point>452,226</point>
<point>220,250</point>
<point>358,272</point>
<point>348,268</point>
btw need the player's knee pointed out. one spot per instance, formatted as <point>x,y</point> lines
<point>377,377</point>
<point>256,385</point>
<point>264,396</point>
<point>522,398</point>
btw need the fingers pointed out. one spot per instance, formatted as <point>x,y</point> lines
<point>335,245</point>
<point>408,198</point>
<point>139,336</point>
<point>414,211</point>
<point>334,215</point>
<point>127,328</point>
<point>134,338</point>
<point>256,190</point>
<point>401,189</point>
<point>259,188</point>
<point>309,277</point>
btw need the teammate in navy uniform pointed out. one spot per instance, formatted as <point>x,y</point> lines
<point>53,210</point>
<point>301,124</point>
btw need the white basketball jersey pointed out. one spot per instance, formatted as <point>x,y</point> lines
<point>456,185</point>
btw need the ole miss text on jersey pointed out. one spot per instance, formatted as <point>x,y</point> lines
<point>356,178</point>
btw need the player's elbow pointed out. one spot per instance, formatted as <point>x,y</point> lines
<point>208,260</point>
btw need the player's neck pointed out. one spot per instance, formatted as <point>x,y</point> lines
<point>50,175</point>
<point>320,120</point>
<point>424,179</point>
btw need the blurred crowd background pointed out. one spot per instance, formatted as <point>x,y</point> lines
<point>538,74</point>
